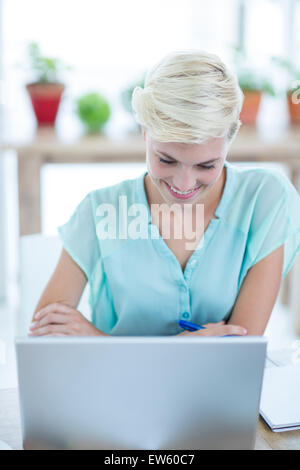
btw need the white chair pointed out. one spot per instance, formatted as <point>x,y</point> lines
<point>39,255</point>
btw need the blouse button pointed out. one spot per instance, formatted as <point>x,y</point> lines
<point>185,315</point>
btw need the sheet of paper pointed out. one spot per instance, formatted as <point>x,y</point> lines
<point>280,398</point>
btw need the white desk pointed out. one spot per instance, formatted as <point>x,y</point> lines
<point>10,423</point>
<point>10,427</point>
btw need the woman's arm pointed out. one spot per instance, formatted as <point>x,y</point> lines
<point>55,313</point>
<point>66,284</point>
<point>258,294</point>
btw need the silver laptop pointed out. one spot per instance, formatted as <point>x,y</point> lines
<point>140,392</point>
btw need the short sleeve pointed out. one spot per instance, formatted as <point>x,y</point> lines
<point>79,237</point>
<point>275,222</point>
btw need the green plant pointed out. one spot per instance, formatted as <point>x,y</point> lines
<point>46,69</point>
<point>292,70</point>
<point>250,79</point>
<point>93,110</point>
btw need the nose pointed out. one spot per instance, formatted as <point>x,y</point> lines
<point>184,179</point>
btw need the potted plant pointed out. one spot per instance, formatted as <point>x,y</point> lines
<point>293,90</point>
<point>46,90</point>
<point>93,110</point>
<point>253,85</point>
<point>293,97</point>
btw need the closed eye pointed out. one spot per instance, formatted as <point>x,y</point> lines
<point>207,167</point>
<point>170,162</point>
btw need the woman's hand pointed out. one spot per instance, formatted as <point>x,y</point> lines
<point>60,320</point>
<point>217,329</point>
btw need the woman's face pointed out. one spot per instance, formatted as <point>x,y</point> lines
<point>185,173</point>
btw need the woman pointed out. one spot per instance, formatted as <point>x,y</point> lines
<point>144,278</point>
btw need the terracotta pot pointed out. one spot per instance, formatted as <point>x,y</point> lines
<point>250,107</point>
<point>294,108</point>
<point>45,99</point>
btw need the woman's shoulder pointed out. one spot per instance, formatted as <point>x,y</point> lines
<point>111,194</point>
<point>256,192</point>
<point>251,181</point>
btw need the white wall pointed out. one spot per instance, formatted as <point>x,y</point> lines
<point>108,44</point>
<point>2,205</point>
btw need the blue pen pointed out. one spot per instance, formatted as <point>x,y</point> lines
<point>186,325</point>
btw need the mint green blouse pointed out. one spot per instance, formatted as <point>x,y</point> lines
<point>137,286</point>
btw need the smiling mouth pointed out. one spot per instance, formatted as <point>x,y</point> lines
<point>182,194</point>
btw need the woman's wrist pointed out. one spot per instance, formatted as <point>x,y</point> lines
<point>100,333</point>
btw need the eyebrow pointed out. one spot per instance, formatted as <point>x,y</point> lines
<point>171,158</point>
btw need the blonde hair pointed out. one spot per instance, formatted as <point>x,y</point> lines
<point>189,96</point>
